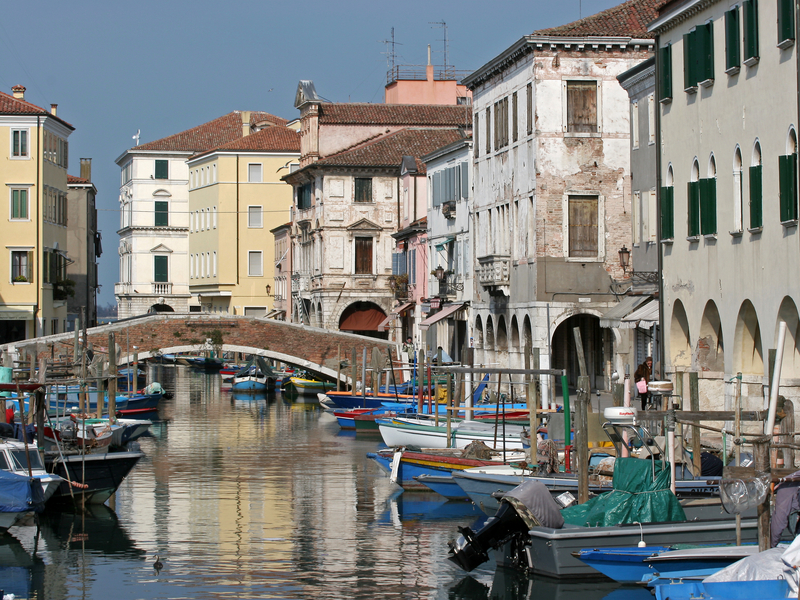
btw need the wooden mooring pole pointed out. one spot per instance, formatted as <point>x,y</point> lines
<point>582,422</point>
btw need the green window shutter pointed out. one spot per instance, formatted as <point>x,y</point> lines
<point>665,73</point>
<point>787,175</point>
<point>732,38</point>
<point>706,52</point>
<point>750,14</point>
<point>162,169</point>
<point>162,213</point>
<point>756,218</point>
<point>785,20</point>
<point>160,269</point>
<point>667,213</point>
<point>694,208</point>
<point>29,266</point>
<point>708,206</point>
<point>688,71</point>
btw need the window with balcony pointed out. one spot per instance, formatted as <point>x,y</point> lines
<point>161,269</point>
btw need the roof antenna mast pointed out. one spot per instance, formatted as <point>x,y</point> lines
<point>443,26</point>
<point>391,55</point>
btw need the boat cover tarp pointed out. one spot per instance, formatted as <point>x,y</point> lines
<point>636,497</point>
<point>19,493</point>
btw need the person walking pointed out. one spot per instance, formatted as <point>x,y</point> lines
<point>642,377</point>
<point>408,350</point>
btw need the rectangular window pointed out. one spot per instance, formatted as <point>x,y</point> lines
<point>514,121</point>
<point>19,143</point>
<point>652,217</point>
<point>530,109</point>
<point>162,169</point>
<point>476,127</point>
<point>708,206</point>
<point>651,119</point>
<point>732,39</point>
<point>750,15</point>
<point>19,204</point>
<point>255,264</point>
<point>255,218</point>
<point>694,208</point>
<point>161,269</point>
<point>635,124</point>
<point>756,218</point>
<point>698,56</point>
<point>667,213</point>
<point>581,107</point>
<point>665,73</point>
<point>254,173</point>
<point>785,23</point>
<point>162,213</point>
<point>488,130</point>
<point>21,263</point>
<point>363,256</point>
<point>787,177</point>
<point>583,230</point>
<point>363,189</point>
<point>304,196</point>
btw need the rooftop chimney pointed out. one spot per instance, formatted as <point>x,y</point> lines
<point>429,67</point>
<point>86,169</point>
<point>19,91</point>
<point>245,123</point>
<point>53,109</point>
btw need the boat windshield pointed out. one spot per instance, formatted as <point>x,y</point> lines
<point>20,463</point>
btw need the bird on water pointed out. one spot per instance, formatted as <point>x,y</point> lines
<point>158,565</point>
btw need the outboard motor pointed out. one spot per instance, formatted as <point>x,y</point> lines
<point>530,504</point>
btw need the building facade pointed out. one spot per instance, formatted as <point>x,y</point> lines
<point>346,204</point>
<point>83,246</point>
<point>33,168</point>
<point>728,194</point>
<point>231,249</point>
<point>551,189</point>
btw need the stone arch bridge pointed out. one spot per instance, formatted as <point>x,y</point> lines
<point>299,345</point>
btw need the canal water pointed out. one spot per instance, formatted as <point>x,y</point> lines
<point>258,497</point>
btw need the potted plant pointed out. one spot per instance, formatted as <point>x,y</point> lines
<point>20,279</point>
<point>63,289</point>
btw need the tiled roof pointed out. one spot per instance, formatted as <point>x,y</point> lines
<point>15,106</point>
<point>213,134</point>
<point>389,150</point>
<point>629,19</point>
<point>74,179</point>
<point>394,114</point>
<point>271,139</point>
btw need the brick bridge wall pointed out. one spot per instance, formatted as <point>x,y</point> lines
<point>299,345</point>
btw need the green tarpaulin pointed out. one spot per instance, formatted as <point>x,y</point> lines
<point>636,497</point>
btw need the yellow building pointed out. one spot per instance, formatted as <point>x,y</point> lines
<point>33,170</point>
<point>236,197</point>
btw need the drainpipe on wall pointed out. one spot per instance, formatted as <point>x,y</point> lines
<point>39,242</point>
<point>661,351</point>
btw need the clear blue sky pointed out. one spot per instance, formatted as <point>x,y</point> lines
<point>163,67</point>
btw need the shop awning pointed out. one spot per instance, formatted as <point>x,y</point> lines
<point>613,316</point>
<point>445,312</point>
<point>11,312</point>
<point>367,319</point>
<point>396,312</point>
<point>440,244</point>
<point>645,316</point>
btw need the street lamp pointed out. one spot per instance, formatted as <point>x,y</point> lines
<point>439,273</point>
<point>624,259</point>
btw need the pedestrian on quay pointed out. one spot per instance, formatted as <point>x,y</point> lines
<point>408,350</point>
<point>642,377</point>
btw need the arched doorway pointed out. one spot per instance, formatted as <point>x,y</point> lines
<point>565,355</point>
<point>680,348</point>
<point>363,318</point>
<point>748,356</point>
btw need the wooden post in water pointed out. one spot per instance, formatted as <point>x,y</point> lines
<point>364,376</point>
<point>354,374</point>
<point>447,408</point>
<point>32,354</point>
<point>82,404</point>
<point>338,368</point>
<point>38,399</point>
<point>420,371</point>
<point>694,405</point>
<point>582,422</point>
<point>75,347</point>
<point>761,463</point>
<point>112,377</point>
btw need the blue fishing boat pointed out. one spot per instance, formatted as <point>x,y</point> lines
<point>444,485</point>
<point>20,497</point>
<point>256,376</point>
<point>724,590</point>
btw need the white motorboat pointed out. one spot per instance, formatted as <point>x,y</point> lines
<point>13,459</point>
<point>424,433</point>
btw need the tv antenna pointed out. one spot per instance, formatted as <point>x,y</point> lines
<point>391,54</point>
<point>443,26</point>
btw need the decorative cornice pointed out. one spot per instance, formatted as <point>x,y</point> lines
<point>679,14</point>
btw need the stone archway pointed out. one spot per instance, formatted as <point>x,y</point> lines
<point>680,348</point>
<point>565,355</point>
<point>748,357</point>
<point>710,346</point>
<point>363,318</point>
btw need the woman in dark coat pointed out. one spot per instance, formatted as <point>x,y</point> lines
<point>644,372</point>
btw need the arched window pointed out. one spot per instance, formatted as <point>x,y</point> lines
<point>737,190</point>
<point>693,196</point>
<point>756,214</point>
<point>668,207</point>
<point>787,177</point>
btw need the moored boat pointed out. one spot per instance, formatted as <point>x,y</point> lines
<point>304,385</point>
<point>423,433</point>
<point>98,475</point>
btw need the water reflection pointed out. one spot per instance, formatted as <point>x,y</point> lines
<point>253,497</point>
